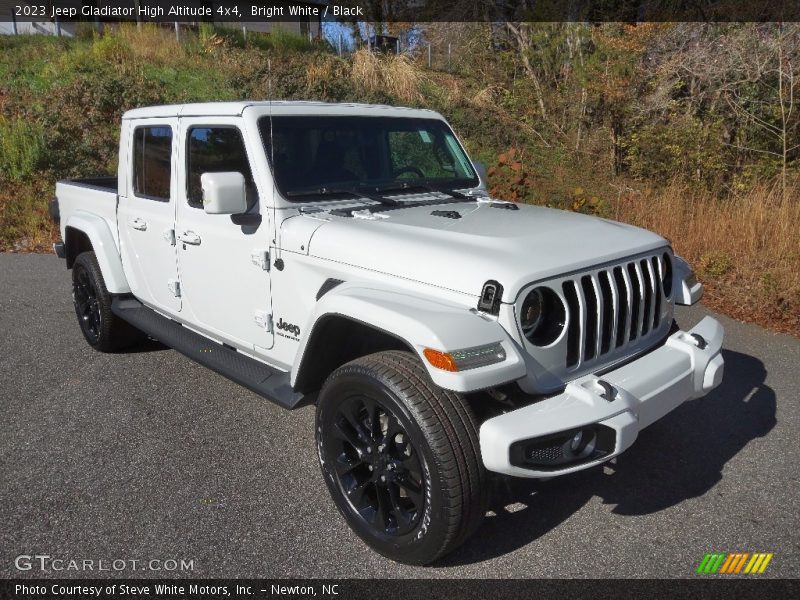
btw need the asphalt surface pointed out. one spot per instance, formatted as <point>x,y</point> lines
<point>145,455</point>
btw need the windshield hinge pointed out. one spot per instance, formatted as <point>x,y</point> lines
<point>264,319</point>
<point>169,236</point>
<point>174,286</point>
<point>260,258</point>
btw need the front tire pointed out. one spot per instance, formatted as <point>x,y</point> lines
<point>103,330</point>
<point>400,457</point>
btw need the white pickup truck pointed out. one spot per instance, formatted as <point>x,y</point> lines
<point>349,256</point>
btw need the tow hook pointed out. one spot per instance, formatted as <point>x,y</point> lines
<point>701,341</point>
<point>608,390</point>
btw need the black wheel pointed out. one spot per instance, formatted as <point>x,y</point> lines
<point>400,457</point>
<point>103,330</point>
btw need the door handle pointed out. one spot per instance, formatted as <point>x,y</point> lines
<point>189,237</point>
<point>139,224</point>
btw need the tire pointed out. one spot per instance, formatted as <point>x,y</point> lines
<point>381,416</point>
<point>101,328</point>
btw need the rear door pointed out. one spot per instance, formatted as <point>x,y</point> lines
<point>222,258</point>
<point>146,213</point>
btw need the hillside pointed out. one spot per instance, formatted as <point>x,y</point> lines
<point>61,99</point>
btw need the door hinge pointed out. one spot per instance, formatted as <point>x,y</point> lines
<point>260,258</point>
<point>169,235</point>
<point>264,319</point>
<point>174,286</point>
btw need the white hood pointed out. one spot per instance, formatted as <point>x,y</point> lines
<point>513,247</point>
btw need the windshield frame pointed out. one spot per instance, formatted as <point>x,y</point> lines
<point>362,189</point>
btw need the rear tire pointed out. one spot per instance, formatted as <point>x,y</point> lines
<point>400,457</point>
<point>101,328</point>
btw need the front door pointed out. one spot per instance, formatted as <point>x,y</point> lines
<point>222,259</point>
<point>146,213</point>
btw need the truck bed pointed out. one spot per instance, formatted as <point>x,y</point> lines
<point>103,184</point>
<point>96,196</point>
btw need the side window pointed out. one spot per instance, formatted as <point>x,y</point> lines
<point>152,161</point>
<point>216,150</point>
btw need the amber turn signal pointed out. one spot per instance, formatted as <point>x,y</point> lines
<point>440,360</point>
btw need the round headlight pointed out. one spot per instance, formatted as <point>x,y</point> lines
<point>666,275</point>
<point>542,316</point>
<point>532,310</point>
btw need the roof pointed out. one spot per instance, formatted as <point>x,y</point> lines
<point>277,107</point>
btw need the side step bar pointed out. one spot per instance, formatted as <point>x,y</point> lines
<point>256,376</point>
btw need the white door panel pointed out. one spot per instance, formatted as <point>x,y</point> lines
<point>225,289</point>
<point>146,226</point>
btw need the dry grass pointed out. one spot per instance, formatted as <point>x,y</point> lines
<point>745,249</point>
<point>486,98</point>
<point>149,43</point>
<point>25,225</point>
<point>393,74</point>
<point>323,73</point>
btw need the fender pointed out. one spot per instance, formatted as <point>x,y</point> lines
<point>420,323</point>
<point>105,248</point>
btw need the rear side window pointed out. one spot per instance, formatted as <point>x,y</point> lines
<point>152,162</point>
<point>216,150</point>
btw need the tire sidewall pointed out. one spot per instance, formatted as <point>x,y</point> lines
<point>426,540</point>
<point>84,262</point>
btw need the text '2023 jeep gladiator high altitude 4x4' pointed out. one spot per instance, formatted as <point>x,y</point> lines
<point>349,256</point>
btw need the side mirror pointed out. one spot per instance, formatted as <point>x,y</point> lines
<point>480,168</point>
<point>223,193</point>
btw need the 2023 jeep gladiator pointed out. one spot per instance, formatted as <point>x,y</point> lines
<point>349,256</point>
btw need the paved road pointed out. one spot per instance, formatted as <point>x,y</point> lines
<point>146,455</point>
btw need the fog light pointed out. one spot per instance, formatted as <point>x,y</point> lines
<point>565,449</point>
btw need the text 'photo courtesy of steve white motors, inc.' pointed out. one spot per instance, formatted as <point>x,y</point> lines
<point>147,589</point>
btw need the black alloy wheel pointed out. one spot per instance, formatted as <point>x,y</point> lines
<point>87,305</point>
<point>378,470</point>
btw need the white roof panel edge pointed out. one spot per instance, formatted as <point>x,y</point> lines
<point>279,107</point>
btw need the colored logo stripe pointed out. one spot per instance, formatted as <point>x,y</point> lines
<point>728,562</point>
<point>734,563</point>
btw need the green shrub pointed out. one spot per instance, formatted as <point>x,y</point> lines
<point>682,147</point>
<point>21,148</point>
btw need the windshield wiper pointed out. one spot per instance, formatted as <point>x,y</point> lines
<point>406,187</point>
<point>321,191</point>
<point>353,192</point>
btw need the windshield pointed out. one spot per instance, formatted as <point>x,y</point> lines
<point>317,155</point>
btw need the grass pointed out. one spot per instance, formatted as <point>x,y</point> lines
<point>21,148</point>
<point>393,74</point>
<point>745,249</point>
<point>25,225</point>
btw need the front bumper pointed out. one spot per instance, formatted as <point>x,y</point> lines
<point>687,366</point>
